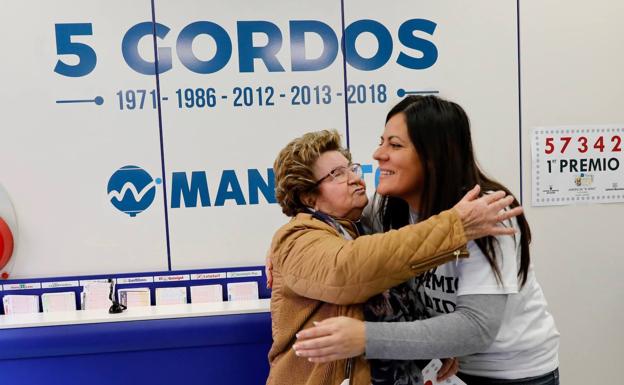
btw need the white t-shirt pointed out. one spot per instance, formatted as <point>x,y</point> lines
<point>528,342</point>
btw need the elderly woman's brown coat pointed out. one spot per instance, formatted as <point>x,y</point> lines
<point>318,274</point>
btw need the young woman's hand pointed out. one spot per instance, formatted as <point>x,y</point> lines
<point>332,339</point>
<point>482,216</point>
<point>450,367</point>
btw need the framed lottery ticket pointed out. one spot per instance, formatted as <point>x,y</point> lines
<point>577,164</point>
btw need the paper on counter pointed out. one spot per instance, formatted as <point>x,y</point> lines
<point>135,297</point>
<point>53,302</point>
<point>242,291</point>
<point>170,295</point>
<point>95,295</point>
<point>20,304</point>
<point>206,293</point>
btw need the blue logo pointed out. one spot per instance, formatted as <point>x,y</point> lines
<point>132,190</point>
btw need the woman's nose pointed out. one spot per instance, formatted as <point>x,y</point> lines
<point>379,154</point>
<point>356,179</point>
<point>352,175</point>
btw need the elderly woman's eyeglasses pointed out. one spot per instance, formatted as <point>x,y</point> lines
<point>341,174</point>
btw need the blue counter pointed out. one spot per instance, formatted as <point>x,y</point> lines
<point>204,344</point>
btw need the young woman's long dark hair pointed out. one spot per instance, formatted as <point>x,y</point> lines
<point>440,132</point>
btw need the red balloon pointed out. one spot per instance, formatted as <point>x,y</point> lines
<point>6,243</point>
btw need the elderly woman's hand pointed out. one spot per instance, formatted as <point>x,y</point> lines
<point>482,216</point>
<point>332,339</point>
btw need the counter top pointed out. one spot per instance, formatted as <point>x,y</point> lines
<point>134,314</point>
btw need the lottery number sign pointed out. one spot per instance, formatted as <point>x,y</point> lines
<point>577,164</point>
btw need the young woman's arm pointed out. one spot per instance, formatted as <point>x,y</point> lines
<point>470,329</point>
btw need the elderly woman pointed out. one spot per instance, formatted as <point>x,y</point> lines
<point>321,266</point>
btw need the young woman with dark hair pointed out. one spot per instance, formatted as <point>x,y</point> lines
<point>489,310</point>
<point>440,133</point>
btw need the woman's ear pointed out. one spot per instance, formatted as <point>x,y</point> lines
<point>308,199</point>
